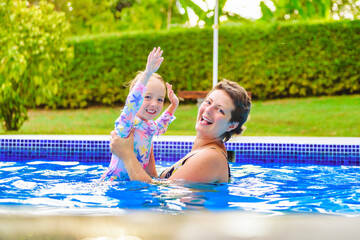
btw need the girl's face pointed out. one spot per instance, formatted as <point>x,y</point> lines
<point>214,115</point>
<point>153,100</point>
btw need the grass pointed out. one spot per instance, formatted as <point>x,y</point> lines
<point>323,116</point>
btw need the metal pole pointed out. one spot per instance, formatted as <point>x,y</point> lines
<point>215,43</point>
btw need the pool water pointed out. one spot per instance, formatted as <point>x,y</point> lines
<point>271,189</point>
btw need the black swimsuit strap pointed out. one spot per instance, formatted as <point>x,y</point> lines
<point>170,172</point>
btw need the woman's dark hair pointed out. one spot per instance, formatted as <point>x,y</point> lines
<point>242,103</point>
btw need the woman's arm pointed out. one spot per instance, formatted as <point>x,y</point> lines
<point>123,148</point>
<point>151,168</point>
<point>207,166</point>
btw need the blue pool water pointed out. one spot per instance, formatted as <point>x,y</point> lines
<point>271,189</point>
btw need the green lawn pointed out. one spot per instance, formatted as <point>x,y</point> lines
<point>323,116</point>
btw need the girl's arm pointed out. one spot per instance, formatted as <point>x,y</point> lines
<point>124,123</point>
<point>151,168</point>
<point>153,64</point>
<point>173,99</point>
<point>167,117</point>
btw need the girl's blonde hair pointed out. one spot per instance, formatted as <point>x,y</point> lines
<point>132,83</point>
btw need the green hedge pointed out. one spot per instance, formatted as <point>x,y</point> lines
<point>274,61</point>
<point>297,60</point>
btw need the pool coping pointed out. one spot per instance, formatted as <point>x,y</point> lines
<point>187,226</point>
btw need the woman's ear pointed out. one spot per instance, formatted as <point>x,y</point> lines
<point>232,126</point>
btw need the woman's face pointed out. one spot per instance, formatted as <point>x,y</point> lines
<point>214,115</point>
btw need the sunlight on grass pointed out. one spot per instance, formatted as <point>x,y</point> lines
<point>323,116</point>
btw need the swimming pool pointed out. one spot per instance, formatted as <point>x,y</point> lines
<point>271,176</point>
<point>273,190</point>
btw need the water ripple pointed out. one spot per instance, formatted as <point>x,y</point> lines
<point>273,190</point>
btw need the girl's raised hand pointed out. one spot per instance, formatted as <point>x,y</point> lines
<point>171,95</point>
<point>154,61</point>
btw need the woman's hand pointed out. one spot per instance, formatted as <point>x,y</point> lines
<point>154,61</point>
<point>122,147</point>
<point>172,96</point>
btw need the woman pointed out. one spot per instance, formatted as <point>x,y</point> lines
<point>220,116</point>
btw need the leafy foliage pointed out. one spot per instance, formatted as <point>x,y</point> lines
<point>150,15</point>
<point>315,9</point>
<point>105,16</point>
<point>32,52</point>
<point>346,9</point>
<point>206,16</point>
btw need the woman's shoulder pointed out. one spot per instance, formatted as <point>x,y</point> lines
<point>216,148</point>
<point>212,163</point>
<point>211,155</point>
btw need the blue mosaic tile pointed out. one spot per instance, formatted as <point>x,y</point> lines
<point>170,151</point>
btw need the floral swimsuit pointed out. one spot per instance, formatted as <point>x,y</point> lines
<point>143,134</point>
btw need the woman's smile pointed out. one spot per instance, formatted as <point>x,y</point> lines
<point>205,121</point>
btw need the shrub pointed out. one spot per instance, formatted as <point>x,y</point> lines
<point>33,52</point>
<point>272,61</point>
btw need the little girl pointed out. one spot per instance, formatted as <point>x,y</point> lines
<point>144,102</point>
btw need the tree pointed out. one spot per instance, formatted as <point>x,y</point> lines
<point>315,9</point>
<point>32,52</point>
<point>150,15</point>
<point>345,9</point>
<point>90,16</point>
<point>99,16</point>
<point>206,14</point>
